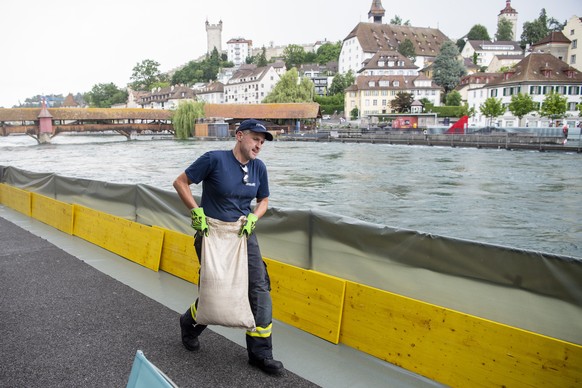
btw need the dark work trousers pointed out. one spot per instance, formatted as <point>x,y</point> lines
<point>259,343</point>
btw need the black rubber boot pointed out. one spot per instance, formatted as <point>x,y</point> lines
<point>268,365</point>
<point>190,332</point>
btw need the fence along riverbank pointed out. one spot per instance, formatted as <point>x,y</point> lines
<point>342,288</point>
<point>499,140</point>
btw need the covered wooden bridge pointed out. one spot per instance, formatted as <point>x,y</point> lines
<point>43,122</point>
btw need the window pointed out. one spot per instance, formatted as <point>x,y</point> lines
<point>572,106</point>
<point>573,59</point>
<point>575,43</point>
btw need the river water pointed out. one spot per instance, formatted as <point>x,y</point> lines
<point>522,199</point>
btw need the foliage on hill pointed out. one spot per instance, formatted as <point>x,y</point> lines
<point>203,71</point>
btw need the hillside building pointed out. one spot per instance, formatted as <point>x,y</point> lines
<point>250,84</point>
<point>366,39</point>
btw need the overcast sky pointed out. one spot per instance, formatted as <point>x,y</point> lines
<point>62,46</point>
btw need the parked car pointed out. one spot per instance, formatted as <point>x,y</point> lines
<point>326,117</point>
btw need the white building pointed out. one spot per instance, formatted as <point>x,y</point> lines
<point>573,31</point>
<point>473,92</point>
<point>250,84</point>
<point>366,39</point>
<point>537,74</point>
<point>372,94</point>
<point>238,50</point>
<point>486,50</point>
<point>213,93</point>
<point>555,43</point>
<point>167,98</point>
<point>319,75</point>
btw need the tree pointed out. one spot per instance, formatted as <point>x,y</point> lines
<point>330,104</point>
<point>521,105</point>
<point>354,113</point>
<point>184,118</point>
<point>492,108</point>
<point>402,102</point>
<point>105,95</point>
<point>293,55</point>
<point>261,58</point>
<point>453,98</point>
<point>539,28</point>
<point>504,30</point>
<point>461,43</point>
<point>427,104</point>
<point>145,74</point>
<point>397,20</point>
<point>448,69</point>
<point>291,89</point>
<point>406,48</point>
<point>554,106</point>
<point>340,83</point>
<point>478,32</point>
<point>328,52</point>
<point>471,112</point>
<point>203,71</point>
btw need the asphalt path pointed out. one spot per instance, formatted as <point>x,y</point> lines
<point>64,323</point>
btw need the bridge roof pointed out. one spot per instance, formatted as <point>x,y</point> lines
<point>263,111</point>
<point>31,114</point>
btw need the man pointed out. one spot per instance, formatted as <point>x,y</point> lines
<point>231,180</point>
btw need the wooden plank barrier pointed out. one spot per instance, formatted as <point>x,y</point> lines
<point>309,300</point>
<point>136,242</point>
<point>55,213</point>
<point>454,348</point>
<point>15,198</point>
<point>179,256</point>
<point>444,345</point>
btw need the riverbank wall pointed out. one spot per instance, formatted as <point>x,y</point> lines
<point>508,141</point>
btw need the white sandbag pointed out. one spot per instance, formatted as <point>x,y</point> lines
<point>224,277</point>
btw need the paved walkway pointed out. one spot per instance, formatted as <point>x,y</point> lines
<point>76,317</point>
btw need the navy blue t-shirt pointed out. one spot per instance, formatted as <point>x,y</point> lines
<point>225,195</point>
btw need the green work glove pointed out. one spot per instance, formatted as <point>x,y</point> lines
<point>199,221</point>
<point>248,228</point>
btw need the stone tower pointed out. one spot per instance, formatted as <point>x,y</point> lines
<point>214,36</point>
<point>510,14</point>
<point>376,12</point>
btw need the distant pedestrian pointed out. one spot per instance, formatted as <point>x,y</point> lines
<point>565,132</point>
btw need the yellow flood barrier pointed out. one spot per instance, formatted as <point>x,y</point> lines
<point>136,242</point>
<point>55,213</point>
<point>15,198</point>
<point>309,300</point>
<point>454,348</point>
<point>179,256</point>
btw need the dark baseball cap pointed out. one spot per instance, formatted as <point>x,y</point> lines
<point>255,126</point>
